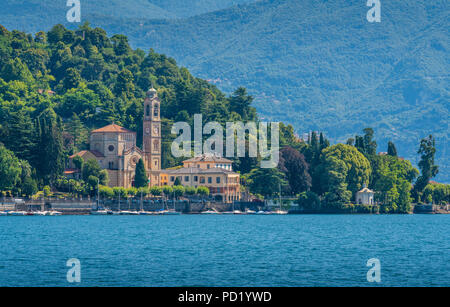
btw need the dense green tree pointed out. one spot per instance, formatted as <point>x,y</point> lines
<point>72,79</point>
<point>309,200</point>
<point>140,178</point>
<point>266,181</point>
<point>78,162</point>
<point>167,190</point>
<point>90,168</point>
<point>177,182</point>
<point>240,102</point>
<point>50,151</point>
<point>355,169</point>
<point>29,187</point>
<point>178,190</point>
<point>9,169</point>
<point>203,191</point>
<point>293,165</point>
<point>427,152</point>
<point>156,191</point>
<point>16,70</point>
<point>392,150</point>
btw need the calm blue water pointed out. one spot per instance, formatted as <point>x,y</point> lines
<point>302,250</point>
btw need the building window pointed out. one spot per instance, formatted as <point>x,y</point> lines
<point>208,166</point>
<point>202,179</point>
<point>111,147</point>
<point>111,165</point>
<point>195,178</point>
<point>186,178</point>
<point>209,179</point>
<point>155,111</point>
<point>217,179</point>
<point>172,178</point>
<point>147,110</point>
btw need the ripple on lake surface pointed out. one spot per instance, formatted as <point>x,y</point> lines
<point>199,250</point>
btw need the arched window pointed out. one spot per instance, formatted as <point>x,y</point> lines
<point>147,111</point>
<point>155,111</point>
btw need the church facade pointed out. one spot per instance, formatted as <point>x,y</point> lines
<point>114,148</point>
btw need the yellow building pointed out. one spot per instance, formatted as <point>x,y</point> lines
<point>210,171</point>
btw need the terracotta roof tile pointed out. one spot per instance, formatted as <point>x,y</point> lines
<point>113,128</point>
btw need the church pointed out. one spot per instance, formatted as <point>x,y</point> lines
<point>114,148</point>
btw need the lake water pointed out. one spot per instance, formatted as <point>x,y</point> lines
<point>199,250</point>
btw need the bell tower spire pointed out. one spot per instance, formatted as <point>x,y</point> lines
<point>152,136</point>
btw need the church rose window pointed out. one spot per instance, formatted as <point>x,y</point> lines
<point>111,148</point>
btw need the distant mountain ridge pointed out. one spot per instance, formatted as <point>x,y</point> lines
<point>317,64</point>
<point>321,66</point>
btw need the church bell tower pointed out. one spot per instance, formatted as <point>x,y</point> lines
<point>152,136</point>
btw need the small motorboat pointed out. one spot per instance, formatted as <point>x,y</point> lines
<point>41,213</point>
<point>2,213</point>
<point>248,211</point>
<point>280,212</point>
<point>171,212</point>
<point>210,212</point>
<point>145,213</point>
<point>238,212</point>
<point>55,213</point>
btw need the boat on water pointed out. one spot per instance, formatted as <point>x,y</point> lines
<point>17,213</point>
<point>280,212</point>
<point>55,213</point>
<point>41,213</point>
<point>2,213</point>
<point>248,211</point>
<point>238,212</point>
<point>261,212</point>
<point>100,212</point>
<point>210,212</point>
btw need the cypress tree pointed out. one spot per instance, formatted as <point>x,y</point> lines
<point>392,151</point>
<point>140,178</point>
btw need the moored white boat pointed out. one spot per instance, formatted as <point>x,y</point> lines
<point>55,213</point>
<point>282,212</point>
<point>210,212</point>
<point>2,213</point>
<point>248,211</point>
<point>171,212</point>
<point>238,212</point>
